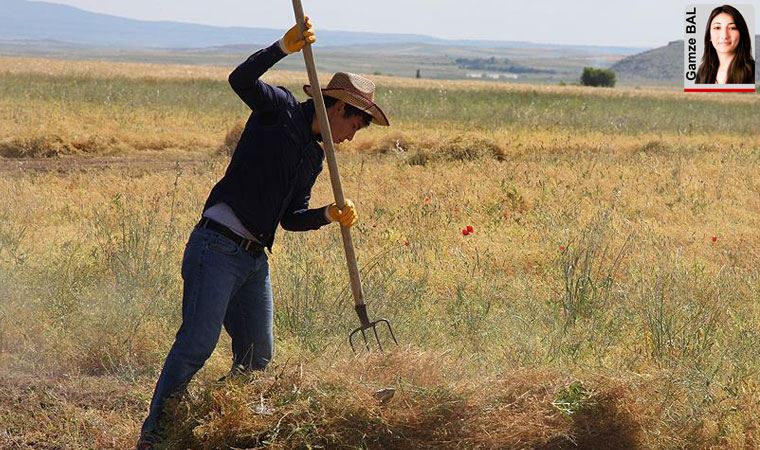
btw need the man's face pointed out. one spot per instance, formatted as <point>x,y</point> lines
<point>343,128</point>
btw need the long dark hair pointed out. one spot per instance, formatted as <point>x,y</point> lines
<point>742,68</point>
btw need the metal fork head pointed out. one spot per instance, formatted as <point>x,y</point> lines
<point>373,326</point>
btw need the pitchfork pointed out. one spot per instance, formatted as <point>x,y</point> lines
<point>348,245</point>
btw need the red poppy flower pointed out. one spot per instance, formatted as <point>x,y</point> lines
<point>715,239</point>
<point>470,229</point>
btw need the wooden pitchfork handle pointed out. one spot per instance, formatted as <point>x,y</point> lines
<point>332,163</point>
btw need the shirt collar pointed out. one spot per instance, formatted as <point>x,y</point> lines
<point>309,110</point>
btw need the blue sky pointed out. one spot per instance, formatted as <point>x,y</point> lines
<point>644,23</point>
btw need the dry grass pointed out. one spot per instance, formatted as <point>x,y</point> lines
<point>58,107</point>
<point>332,403</point>
<point>590,309</point>
<point>73,411</point>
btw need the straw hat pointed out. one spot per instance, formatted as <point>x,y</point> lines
<point>356,91</point>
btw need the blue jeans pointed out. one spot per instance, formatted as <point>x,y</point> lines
<point>223,285</point>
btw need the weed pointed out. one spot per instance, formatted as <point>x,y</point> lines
<point>681,322</point>
<point>588,268</point>
<point>572,399</point>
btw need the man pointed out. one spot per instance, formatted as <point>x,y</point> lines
<point>268,182</point>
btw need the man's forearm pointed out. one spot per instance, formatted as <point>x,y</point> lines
<point>305,220</point>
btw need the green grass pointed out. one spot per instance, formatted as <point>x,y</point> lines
<point>202,96</point>
<point>626,114</point>
<point>615,115</point>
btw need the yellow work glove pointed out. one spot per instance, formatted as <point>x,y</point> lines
<point>293,41</point>
<point>346,216</point>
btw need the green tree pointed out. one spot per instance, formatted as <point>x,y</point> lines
<point>598,77</point>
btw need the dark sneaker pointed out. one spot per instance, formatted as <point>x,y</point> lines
<point>144,445</point>
<point>236,371</point>
<point>146,442</point>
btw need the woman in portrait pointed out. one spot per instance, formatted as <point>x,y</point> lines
<point>728,51</point>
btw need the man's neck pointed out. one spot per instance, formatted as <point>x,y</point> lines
<point>315,126</point>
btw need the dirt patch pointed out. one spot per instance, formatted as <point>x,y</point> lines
<point>130,165</point>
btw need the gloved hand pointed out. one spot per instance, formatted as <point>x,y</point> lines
<point>293,41</point>
<point>346,216</point>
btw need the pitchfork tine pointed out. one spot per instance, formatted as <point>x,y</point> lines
<point>377,338</point>
<point>365,325</point>
<point>390,330</point>
<point>364,335</point>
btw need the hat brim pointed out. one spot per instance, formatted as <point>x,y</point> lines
<point>378,116</point>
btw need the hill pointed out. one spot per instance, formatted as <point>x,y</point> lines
<point>28,20</point>
<point>659,64</point>
<point>31,28</point>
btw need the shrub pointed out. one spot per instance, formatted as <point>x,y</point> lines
<point>598,77</point>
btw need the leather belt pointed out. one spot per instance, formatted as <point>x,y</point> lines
<point>247,244</point>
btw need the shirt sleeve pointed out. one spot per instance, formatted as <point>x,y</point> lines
<point>245,81</point>
<point>298,216</point>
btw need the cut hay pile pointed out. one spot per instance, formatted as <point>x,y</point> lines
<point>333,404</point>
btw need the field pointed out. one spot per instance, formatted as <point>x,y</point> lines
<point>433,61</point>
<point>609,296</point>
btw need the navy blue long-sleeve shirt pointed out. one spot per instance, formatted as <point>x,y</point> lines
<point>277,160</point>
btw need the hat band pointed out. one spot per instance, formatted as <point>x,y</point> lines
<point>357,93</point>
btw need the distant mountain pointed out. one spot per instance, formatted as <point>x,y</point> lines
<point>660,64</point>
<point>26,20</point>
<point>23,20</point>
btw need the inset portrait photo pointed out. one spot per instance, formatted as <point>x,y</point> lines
<point>719,48</point>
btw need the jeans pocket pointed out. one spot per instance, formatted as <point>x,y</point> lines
<point>224,246</point>
<point>193,253</point>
